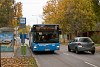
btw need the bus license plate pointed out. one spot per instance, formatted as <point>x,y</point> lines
<point>47,49</point>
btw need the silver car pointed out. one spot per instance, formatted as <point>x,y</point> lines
<point>81,44</point>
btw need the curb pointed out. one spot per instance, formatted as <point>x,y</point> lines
<point>34,57</point>
<point>97,48</point>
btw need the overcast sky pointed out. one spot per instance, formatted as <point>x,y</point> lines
<point>32,10</point>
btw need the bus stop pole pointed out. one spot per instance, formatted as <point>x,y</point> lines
<point>23,25</point>
<point>23,46</point>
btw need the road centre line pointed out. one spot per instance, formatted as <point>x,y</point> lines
<point>91,64</point>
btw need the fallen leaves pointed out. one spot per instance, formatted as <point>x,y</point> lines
<point>18,62</point>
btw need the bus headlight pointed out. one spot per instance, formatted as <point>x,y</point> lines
<point>35,47</point>
<point>58,46</point>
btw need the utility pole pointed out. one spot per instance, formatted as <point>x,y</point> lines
<point>37,17</point>
<point>99,2</point>
<point>22,36</point>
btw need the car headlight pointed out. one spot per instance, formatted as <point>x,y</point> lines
<point>79,46</point>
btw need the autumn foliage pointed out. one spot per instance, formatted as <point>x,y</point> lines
<point>72,15</point>
<point>10,13</point>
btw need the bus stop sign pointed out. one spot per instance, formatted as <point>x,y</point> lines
<point>22,22</point>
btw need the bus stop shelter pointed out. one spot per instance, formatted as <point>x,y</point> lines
<point>6,39</point>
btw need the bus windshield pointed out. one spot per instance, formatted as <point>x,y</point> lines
<point>46,37</point>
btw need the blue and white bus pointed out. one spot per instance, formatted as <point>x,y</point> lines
<point>44,37</point>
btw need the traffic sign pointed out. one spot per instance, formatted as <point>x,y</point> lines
<point>22,22</point>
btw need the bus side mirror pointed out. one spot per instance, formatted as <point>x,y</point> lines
<point>31,29</point>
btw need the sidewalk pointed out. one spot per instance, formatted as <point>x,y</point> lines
<point>18,52</point>
<point>16,59</point>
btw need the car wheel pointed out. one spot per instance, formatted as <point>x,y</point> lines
<point>93,52</point>
<point>69,49</point>
<point>76,51</point>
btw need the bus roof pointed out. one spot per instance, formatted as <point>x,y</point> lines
<point>44,24</point>
<point>44,27</point>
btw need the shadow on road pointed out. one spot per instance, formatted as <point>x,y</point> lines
<point>83,53</point>
<point>45,53</point>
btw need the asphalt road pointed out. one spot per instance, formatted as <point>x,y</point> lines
<point>63,58</point>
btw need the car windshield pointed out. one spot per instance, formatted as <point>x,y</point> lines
<point>85,40</point>
<point>46,37</point>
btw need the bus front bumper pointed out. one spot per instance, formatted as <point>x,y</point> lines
<point>46,48</point>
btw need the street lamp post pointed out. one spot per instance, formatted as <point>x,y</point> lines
<point>99,2</point>
<point>37,17</point>
<point>16,28</point>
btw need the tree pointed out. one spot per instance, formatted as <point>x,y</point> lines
<point>26,30</point>
<point>7,12</point>
<point>72,15</point>
<point>54,13</point>
<point>96,8</point>
<point>28,27</point>
<point>17,13</point>
<point>81,16</point>
<point>49,12</point>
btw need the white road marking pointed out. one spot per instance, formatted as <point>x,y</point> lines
<point>91,64</point>
<point>66,54</point>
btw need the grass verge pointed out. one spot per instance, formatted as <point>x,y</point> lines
<point>23,50</point>
<point>97,44</point>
